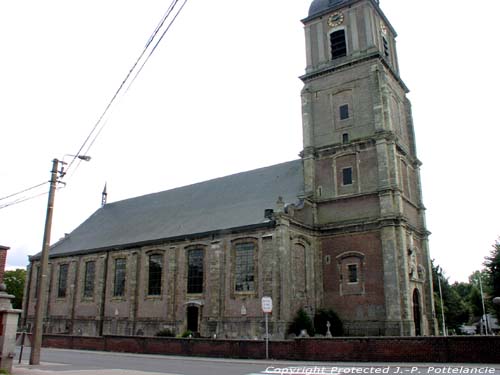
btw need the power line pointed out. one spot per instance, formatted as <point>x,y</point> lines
<point>24,199</point>
<point>23,191</point>
<point>127,77</point>
<point>21,200</point>
<point>144,62</point>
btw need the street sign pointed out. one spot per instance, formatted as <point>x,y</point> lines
<point>267,305</point>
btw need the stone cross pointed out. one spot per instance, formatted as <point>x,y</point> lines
<point>328,325</point>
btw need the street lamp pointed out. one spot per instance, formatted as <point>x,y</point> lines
<point>44,263</point>
<point>496,300</point>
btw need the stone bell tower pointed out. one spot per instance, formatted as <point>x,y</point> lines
<point>362,173</point>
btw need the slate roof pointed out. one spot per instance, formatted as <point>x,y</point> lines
<point>229,202</point>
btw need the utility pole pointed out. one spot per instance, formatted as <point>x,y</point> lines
<point>442,306</point>
<point>42,275</point>
<point>486,325</point>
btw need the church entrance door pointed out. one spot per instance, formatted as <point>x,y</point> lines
<point>192,318</point>
<point>416,313</point>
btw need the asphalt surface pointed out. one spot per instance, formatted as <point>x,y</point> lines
<point>76,362</point>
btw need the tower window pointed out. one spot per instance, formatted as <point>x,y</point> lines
<point>344,112</point>
<point>338,44</point>
<point>386,46</point>
<point>195,271</point>
<point>347,176</point>
<point>345,138</point>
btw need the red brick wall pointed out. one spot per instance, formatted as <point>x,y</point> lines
<point>457,349</point>
<point>369,245</point>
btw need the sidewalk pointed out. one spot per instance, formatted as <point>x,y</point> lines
<point>50,368</point>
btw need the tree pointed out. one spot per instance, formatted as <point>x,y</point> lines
<point>492,263</point>
<point>456,311</point>
<point>14,281</point>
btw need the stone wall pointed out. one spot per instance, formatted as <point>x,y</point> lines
<point>222,311</point>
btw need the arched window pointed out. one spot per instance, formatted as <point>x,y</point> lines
<point>120,277</point>
<point>195,271</point>
<point>244,270</point>
<point>155,274</point>
<point>89,280</point>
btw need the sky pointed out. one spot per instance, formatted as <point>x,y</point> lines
<point>221,95</point>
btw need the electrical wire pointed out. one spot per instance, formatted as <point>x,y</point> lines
<point>142,65</point>
<point>132,71</point>
<point>124,82</point>
<point>23,191</point>
<point>21,200</point>
<point>24,199</point>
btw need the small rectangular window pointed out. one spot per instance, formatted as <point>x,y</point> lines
<point>347,176</point>
<point>120,270</point>
<point>345,138</point>
<point>63,281</point>
<point>338,44</point>
<point>344,112</point>
<point>352,270</point>
<point>88,287</point>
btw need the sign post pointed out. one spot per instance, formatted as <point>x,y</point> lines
<point>267,308</point>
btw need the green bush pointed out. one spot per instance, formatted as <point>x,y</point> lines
<point>327,315</point>
<point>187,334</point>
<point>165,333</point>
<point>300,322</point>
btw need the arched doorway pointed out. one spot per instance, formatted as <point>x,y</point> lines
<point>193,313</point>
<point>417,318</point>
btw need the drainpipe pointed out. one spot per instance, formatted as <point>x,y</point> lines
<point>103,294</point>
<point>75,293</point>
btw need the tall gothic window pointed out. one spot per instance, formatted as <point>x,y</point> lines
<point>88,286</point>
<point>155,273</point>
<point>338,44</point>
<point>244,267</point>
<point>195,271</point>
<point>63,281</point>
<point>120,273</point>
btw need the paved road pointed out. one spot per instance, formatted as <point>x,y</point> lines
<point>76,362</point>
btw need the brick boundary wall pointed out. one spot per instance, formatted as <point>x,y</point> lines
<point>456,349</point>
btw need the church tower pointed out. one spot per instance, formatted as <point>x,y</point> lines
<point>361,173</point>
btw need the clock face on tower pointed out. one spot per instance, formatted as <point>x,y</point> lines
<point>336,19</point>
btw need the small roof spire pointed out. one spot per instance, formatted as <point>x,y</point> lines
<point>104,195</point>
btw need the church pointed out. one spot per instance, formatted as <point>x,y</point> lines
<point>341,228</point>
